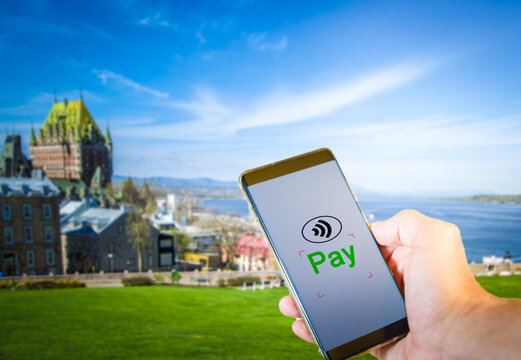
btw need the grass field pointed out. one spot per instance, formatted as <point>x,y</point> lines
<point>158,323</point>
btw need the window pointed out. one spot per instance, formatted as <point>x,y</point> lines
<point>165,259</point>
<point>8,235</point>
<point>6,211</point>
<point>47,234</point>
<point>120,228</point>
<point>111,246</point>
<point>131,262</point>
<point>165,243</point>
<point>28,234</point>
<point>29,258</point>
<point>47,211</point>
<point>70,244</point>
<point>49,256</point>
<point>150,261</point>
<point>87,245</point>
<point>27,211</point>
<point>95,246</point>
<point>79,244</point>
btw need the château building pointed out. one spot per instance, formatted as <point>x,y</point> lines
<point>71,149</point>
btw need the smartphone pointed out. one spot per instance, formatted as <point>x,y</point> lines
<point>330,260</point>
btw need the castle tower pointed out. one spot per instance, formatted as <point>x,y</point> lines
<point>13,162</point>
<point>70,145</point>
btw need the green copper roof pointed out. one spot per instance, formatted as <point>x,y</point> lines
<point>98,178</point>
<point>33,136</point>
<point>108,138</point>
<point>70,117</point>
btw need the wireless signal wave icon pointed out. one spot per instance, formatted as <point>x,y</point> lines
<point>322,229</point>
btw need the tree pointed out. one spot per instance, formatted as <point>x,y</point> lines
<point>181,241</point>
<point>148,198</point>
<point>130,193</point>
<point>139,231</point>
<point>139,227</point>
<point>230,228</point>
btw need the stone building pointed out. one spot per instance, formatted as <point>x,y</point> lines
<point>29,227</point>
<point>95,239</point>
<point>71,148</point>
<point>13,162</point>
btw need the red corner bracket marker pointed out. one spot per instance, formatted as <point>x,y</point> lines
<point>351,235</point>
<point>300,252</point>
<point>320,296</point>
<point>370,276</point>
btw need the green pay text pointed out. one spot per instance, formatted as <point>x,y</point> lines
<point>335,258</point>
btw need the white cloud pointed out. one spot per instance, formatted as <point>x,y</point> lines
<point>452,132</point>
<point>283,108</point>
<point>207,115</point>
<point>157,20</point>
<point>258,42</point>
<point>165,23</point>
<point>199,34</point>
<point>106,75</point>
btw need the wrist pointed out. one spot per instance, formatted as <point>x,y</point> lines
<point>485,327</point>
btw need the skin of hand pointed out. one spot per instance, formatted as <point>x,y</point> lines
<point>450,316</point>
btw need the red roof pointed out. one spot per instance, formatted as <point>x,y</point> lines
<point>251,245</point>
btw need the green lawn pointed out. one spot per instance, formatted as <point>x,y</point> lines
<point>158,323</point>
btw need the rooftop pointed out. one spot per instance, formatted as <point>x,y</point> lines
<point>86,218</point>
<point>70,118</point>
<point>250,244</point>
<point>27,187</point>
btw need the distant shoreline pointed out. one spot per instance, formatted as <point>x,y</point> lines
<point>490,199</point>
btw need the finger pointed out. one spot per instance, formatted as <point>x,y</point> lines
<point>287,307</point>
<point>387,251</point>
<point>395,257</point>
<point>398,230</point>
<point>395,350</point>
<point>300,329</point>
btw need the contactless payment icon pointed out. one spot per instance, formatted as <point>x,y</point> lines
<point>321,229</point>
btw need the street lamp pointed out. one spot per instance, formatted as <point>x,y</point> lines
<point>111,262</point>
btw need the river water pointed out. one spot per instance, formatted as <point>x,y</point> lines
<point>486,229</point>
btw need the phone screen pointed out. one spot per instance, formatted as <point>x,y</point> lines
<point>330,256</point>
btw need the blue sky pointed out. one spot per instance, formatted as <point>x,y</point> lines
<point>410,96</point>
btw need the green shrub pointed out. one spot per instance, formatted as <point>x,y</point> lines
<point>159,278</point>
<point>137,281</point>
<point>51,284</point>
<point>243,280</point>
<point>7,284</point>
<point>175,277</point>
<point>221,283</point>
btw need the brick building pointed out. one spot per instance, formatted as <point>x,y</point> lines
<point>29,227</point>
<point>70,146</point>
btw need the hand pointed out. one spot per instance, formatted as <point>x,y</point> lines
<point>449,314</point>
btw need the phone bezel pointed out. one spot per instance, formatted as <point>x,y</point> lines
<point>357,346</point>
